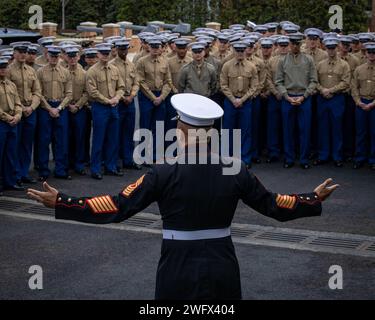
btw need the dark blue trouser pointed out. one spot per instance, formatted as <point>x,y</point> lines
<point>126,132</point>
<point>149,115</point>
<point>330,116</point>
<point>105,123</point>
<point>256,106</point>
<point>273,126</point>
<point>239,118</point>
<point>53,129</point>
<point>8,154</point>
<point>78,127</point>
<point>365,134</point>
<point>349,127</point>
<point>170,113</point>
<point>290,116</point>
<point>25,136</point>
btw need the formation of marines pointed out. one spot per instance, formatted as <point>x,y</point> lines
<point>309,95</point>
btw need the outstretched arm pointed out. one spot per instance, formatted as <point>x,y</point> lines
<point>283,207</point>
<point>102,209</point>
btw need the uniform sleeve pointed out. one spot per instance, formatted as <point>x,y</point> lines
<point>120,85</point>
<point>355,87</point>
<point>213,81</point>
<point>224,83</point>
<point>254,84</point>
<point>106,209</point>
<point>36,92</point>
<point>279,78</point>
<point>84,98</point>
<point>313,79</point>
<point>166,89</point>
<point>182,80</point>
<point>68,90</point>
<point>279,207</point>
<point>262,76</point>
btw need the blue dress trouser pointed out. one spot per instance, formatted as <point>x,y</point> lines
<point>56,130</point>
<point>25,136</point>
<point>273,126</point>
<point>365,134</point>
<point>239,118</point>
<point>78,127</point>
<point>126,132</point>
<point>8,154</point>
<point>349,127</point>
<point>149,115</point>
<point>255,126</point>
<point>290,116</point>
<point>330,116</point>
<point>105,145</point>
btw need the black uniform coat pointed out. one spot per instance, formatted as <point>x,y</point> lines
<point>192,197</point>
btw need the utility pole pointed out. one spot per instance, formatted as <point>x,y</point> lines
<point>63,5</point>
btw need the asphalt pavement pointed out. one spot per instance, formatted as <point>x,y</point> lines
<point>86,262</point>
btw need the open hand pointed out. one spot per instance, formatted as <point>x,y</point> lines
<point>46,197</point>
<point>323,191</point>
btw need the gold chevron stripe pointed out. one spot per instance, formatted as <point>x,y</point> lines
<point>132,187</point>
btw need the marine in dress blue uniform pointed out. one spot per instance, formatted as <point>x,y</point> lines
<point>197,203</point>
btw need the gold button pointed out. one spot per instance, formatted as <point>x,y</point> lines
<point>307,198</point>
<point>69,200</point>
<point>80,201</point>
<point>59,199</point>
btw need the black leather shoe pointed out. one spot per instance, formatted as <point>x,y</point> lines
<point>15,188</point>
<point>248,166</point>
<point>272,160</point>
<point>357,165</point>
<point>348,159</point>
<point>338,164</point>
<point>288,165</point>
<point>80,172</point>
<point>42,178</point>
<point>305,166</point>
<point>96,176</point>
<point>319,162</point>
<point>66,177</point>
<point>28,180</point>
<point>256,160</point>
<point>114,173</point>
<point>132,166</point>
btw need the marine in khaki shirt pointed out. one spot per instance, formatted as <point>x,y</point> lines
<point>176,63</point>
<point>56,85</point>
<point>283,49</point>
<point>104,83</point>
<point>80,96</point>
<point>260,66</point>
<point>10,104</point>
<point>128,74</point>
<point>363,83</point>
<point>313,46</point>
<point>239,80</point>
<point>154,75</point>
<point>27,83</point>
<point>333,76</point>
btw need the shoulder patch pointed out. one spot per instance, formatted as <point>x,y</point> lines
<point>102,204</point>
<point>132,187</point>
<point>286,202</point>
